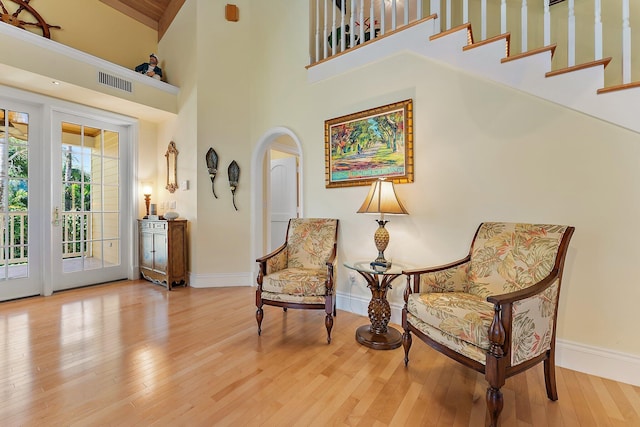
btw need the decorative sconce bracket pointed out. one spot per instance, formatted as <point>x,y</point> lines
<point>234,177</point>
<point>212,166</point>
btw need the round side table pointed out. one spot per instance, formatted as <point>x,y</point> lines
<point>378,335</point>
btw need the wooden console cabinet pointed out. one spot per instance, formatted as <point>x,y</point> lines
<point>163,251</point>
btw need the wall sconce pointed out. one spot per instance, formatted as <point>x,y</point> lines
<point>234,177</point>
<point>382,199</point>
<point>146,190</point>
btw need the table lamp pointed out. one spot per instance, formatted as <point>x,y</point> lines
<point>146,190</point>
<point>382,199</point>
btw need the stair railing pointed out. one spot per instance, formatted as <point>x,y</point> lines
<point>583,31</point>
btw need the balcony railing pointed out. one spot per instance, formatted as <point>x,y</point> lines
<point>584,31</point>
<point>76,230</point>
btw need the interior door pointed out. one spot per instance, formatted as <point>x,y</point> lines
<point>284,197</point>
<point>21,213</point>
<point>89,202</point>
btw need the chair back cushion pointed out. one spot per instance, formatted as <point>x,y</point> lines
<point>507,257</point>
<point>310,242</point>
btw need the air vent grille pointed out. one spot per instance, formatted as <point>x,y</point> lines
<point>115,82</point>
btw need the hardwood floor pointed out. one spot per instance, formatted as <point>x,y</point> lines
<point>132,353</point>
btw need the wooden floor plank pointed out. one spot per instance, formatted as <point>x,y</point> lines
<point>132,353</point>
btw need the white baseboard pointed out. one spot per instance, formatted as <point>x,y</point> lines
<point>600,362</point>
<point>610,364</point>
<point>220,280</point>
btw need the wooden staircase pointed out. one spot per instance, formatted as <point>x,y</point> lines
<point>579,87</point>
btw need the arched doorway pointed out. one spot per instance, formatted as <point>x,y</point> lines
<point>280,139</point>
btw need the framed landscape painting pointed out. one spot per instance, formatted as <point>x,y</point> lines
<point>377,143</point>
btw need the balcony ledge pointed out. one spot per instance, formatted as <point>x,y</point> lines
<point>76,73</point>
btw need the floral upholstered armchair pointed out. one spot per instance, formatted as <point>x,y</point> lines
<point>495,310</point>
<point>301,272</point>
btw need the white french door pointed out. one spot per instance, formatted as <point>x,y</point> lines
<point>21,213</point>
<point>90,199</point>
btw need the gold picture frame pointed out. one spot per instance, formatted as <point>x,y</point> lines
<point>371,144</point>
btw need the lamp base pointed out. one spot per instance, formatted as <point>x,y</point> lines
<point>380,265</point>
<point>381,238</point>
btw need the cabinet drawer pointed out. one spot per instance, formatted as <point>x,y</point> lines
<point>153,225</point>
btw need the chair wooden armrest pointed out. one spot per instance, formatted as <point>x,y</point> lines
<point>275,252</point>
<point>425,270</point>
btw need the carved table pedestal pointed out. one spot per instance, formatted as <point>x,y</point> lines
<point>378,335</point>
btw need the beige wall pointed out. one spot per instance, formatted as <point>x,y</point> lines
<point>482,152</point>
<point>97,29</point>
<point>214,77</point>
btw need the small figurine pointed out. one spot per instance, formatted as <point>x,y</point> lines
<point>150,68</point>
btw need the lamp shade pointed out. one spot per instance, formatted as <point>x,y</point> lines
<point>147,189</point>
<point>382,199</point>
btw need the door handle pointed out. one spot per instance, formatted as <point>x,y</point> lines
<point>56,217</point>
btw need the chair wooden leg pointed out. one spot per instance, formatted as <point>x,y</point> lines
<point>495,402</point>
<point>406,344</point>
<point>328,322</point>
<point>550,376</point>
<point>259,315</point>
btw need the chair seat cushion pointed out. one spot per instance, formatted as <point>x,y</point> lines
<point>461,315</point>
<point>297,282</point>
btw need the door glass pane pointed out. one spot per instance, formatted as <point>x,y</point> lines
<point>14,194</point>
<point>90,197</point>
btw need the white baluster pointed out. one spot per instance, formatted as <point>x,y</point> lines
<point>465,11</point>
<point>343,37</point>
<point>483,20</point>
<point>393,15</point>
<point>325,30</point>
<point>503,16</point>
<point>626,43</point>
<point>317,49</point>
<point>383,22</point>
<point>334,39</point>
<point>571,32</point>
<point>547,24</point>
<point>361,21</point>
<point>598,31</point>
<point>448,12</point>
<point>419,14</point>
<point>524,20</point>
<point>372,22</point>
<point>352,24</point>
<point>406,12</point>
<point>434,9</point>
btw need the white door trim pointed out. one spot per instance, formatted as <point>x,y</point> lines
<point>257,189</point>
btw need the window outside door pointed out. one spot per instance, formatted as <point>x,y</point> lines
<point>89,211</point>
<point>20,201</point>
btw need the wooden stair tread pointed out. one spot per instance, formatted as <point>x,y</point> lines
<point>552,48</point>
<point>616,88</point>
<point>604,62</point>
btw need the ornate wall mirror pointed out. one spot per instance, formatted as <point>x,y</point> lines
<point>172,169</point>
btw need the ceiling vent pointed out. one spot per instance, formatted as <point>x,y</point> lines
<point>115,82</point>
